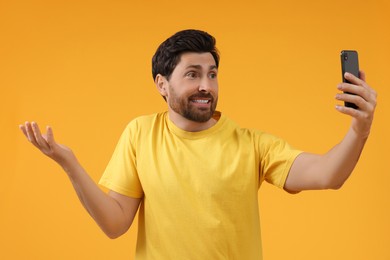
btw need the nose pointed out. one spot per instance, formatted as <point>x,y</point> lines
<point>205,85</point>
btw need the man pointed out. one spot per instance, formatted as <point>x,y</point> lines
<point>194,170</point>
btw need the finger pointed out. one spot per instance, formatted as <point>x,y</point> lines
<point>353,79</point>
<point>347,110</point>
<point>50,136</point>
<point>23,129</point>
<point>360,102</point>
<point>364,91</point>
<point>30,134</point>
<point>352,88</point>
<point>38,136</point>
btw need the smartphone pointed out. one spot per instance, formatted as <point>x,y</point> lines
<point>349,63</point>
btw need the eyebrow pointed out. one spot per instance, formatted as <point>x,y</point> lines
<point>200,67</point>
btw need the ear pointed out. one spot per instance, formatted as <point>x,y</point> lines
<point>161,84</point>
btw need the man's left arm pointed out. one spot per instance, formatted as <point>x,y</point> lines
<point>331,170</point>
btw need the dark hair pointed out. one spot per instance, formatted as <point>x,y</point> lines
<point>169,52</point>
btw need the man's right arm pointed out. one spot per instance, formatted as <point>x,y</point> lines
<point>113,212</point>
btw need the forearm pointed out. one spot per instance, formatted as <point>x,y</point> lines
<point>328,171</point>
<point>114,213</point>
<point>337,164</point>
<point>105,210</point>
<point>331,170</point>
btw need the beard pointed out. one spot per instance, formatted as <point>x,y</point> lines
<point>186,108</point>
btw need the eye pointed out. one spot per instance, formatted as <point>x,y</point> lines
<point>212,75</point>
<point>191,74</point>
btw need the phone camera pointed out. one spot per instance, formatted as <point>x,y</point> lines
<point>345,56</point>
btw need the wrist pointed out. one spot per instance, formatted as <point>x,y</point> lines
<point>70,165</point>
<point>358,137</point>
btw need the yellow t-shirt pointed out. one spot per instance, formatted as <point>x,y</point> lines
<point>199,189</point>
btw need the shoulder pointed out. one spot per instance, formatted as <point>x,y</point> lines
<point>146,121</point>
<point>145,126</point>
<point>243,131</point>
<point>262,140</point>
<point>140,127</point>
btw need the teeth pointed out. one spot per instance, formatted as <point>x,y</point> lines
<point>203,101</point>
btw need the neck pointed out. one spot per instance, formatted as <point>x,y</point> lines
<point>189,125</point>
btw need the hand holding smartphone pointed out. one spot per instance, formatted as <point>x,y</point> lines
<point>349,63</point>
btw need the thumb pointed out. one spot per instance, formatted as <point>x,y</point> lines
<point>50,136</point>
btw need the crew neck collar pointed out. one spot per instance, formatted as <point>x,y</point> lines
<point>199,134</point>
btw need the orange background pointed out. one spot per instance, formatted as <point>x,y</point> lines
<point>84,67</point>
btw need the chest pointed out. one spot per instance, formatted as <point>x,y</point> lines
<point>211,168</point>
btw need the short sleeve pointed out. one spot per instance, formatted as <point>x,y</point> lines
<point>276,159</point>
<point>121,172</point>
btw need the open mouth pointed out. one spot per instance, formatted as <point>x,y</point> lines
<point>201,101</point>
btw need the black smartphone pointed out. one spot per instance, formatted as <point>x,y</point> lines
<point>349,63</point>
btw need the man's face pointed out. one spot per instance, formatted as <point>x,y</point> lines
<point>193,87</point>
